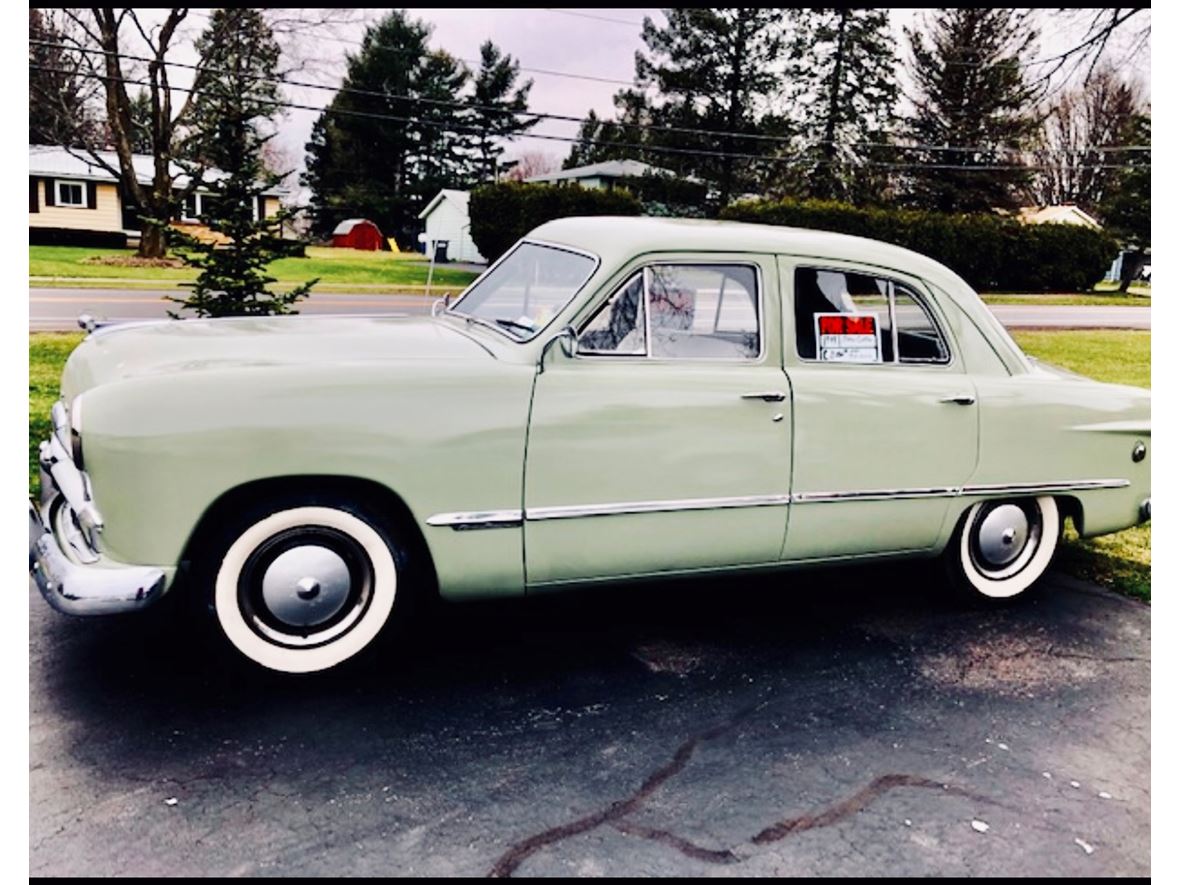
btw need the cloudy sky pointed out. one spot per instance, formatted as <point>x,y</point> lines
<point>577,58</point>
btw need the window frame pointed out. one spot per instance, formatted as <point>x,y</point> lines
<point>921,298</point>
<point>57,193</point>
<point>199,205</point>
<point>646,356</point>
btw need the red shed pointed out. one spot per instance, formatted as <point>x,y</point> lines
<point>358,233</point>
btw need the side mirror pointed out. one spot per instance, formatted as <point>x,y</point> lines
<point>440,305</point>
<point>568,337</point>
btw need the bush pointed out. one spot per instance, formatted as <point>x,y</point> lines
<point>991,252</point>
<point>503,213</point>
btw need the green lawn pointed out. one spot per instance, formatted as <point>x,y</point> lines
<point>1121,561</point>
<point>1095,300</point>
<point>337,268</point>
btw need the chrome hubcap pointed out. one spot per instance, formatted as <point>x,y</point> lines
<point>306,585</point>
<point>1002,535</point>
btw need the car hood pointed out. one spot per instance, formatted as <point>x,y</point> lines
<point>118,352</point>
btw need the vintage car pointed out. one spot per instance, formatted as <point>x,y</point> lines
<point>614,399</point>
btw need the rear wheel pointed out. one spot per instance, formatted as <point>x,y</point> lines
<point>1003,547</point>
<point>303,588</point>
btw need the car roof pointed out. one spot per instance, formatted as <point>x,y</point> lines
<point>612,237</point>
<point>615,239</point>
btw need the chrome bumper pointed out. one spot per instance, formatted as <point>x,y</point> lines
<point>80,581</point>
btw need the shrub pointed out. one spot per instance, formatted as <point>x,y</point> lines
<point>991,252</point>
<point>503,213</point>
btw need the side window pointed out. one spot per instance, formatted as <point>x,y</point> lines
<point>618,327</point>
<point>679,311</point>
<point>848,317</point>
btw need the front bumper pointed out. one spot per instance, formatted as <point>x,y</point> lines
<point>64,559</point>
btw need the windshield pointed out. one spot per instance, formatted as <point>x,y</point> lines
<point>525,290</point>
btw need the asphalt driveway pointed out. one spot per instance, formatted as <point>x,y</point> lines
<point>834,722</point>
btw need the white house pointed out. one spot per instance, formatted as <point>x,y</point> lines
<point>601,176</point>
<point>447,218</point>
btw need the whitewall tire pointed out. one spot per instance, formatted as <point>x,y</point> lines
<point>305,588</point>
<point>1003,547</point>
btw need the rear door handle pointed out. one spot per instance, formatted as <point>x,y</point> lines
<point>959,399</point>
<point>767,396</point>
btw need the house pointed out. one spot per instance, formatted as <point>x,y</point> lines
<point>602,176</point>
<point>1067,214</point>
<point>447,218</point>
<point>73,200</point>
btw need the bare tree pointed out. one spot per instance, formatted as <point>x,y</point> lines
<point>532,163</point>
<point>1099,27</point>
<point>1085,134</point>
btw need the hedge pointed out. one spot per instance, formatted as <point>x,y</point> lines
<point>503,213</point>
<point>991,252</point>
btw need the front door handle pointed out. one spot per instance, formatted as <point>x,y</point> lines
<point>959,399</point>
<point>767,396</point>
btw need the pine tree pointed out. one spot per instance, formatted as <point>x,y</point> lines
<point>711,69</point>
<point>228,133</point>
<point>498,106</point>
<point>1127,208</point>
<point>58,110</point>
<point>843,86</point>
<point>971,96</point>
<point>380,151</point>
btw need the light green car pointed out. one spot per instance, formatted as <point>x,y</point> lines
<point>613,399</point>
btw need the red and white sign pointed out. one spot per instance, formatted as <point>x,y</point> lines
<point>848,337</point>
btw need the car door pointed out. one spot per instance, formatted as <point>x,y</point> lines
<point>663,444</point>
<point>886,420</point>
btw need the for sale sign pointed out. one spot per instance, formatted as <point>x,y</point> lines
<point>848,337</point>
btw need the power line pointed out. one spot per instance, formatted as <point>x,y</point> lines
<point>601,18</point>
<point>460,128</point>
<point>642,127</point>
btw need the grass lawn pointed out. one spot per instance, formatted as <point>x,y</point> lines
<point>1121,561</point>
<point>1115,299</point>
<point>337,268</point>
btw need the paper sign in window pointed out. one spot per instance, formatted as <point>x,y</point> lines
<point>848,337</point>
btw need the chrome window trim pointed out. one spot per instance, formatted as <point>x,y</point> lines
<point>487,519</point>
<point>647,356</point>
<point>452,311</point>
<point>924,301</point>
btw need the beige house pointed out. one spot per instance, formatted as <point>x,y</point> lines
<point>1067,214</point>
<point>73,200</point>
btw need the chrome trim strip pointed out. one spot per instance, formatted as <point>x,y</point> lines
<point>542,513</point>
<point>478,519</point>
<point>872,495</point>
<point>1030,488</point>
<point>490,519</point>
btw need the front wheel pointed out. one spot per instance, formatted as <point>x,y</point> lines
<point>305,588</point>
<point>1003,547</point>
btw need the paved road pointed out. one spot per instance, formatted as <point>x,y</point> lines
<point>821,723</point>
<point>59,308</point>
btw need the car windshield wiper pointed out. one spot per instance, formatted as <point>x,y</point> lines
<point>513,324</point>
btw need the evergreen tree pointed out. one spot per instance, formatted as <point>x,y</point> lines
<point>382,156</point>
<point>58,112</point>
<point>228,133</point>
<point>971,94</point>
<point>1127,209</point>
<point>843,85</point>
<point>498,106</point>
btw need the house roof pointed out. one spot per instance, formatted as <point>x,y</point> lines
<point>54,161</point>
<point>1067,214</point>
<point>460,198</point>
<point>607,169</point>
